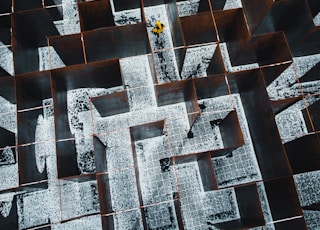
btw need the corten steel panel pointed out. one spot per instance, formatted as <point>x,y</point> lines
<point>107,222</point>
<point>120,5</point>
<point>208,177</point>
<point>27,122</point>
<point>38,88</point>
<point>298,223</point>
<point>11,221</point>
<point>95,14</point>
<point>3,73</point>
<point>26,188</point>
<point>209,87</point>
<point>304,153</point>
<point>231,135</point>
<point>264,133</point>
<point>255,13</point>
<point>103,74</point>
<point>283,198</point>
<point>67,159</point>
<point>204,6</point>
<point>270,73</point>
<point>174,23</point>
<point>314,6</point>
<point>267,32</point>
<point>8,138</point>
<point>313,207</point>
<point>7,89</point>
<point>174,92</point>
<point>147,3</point>
<point>314,111</point>
<point>116,42</point>
<point>135,160</point>
<point>30,30</point>
<point>81,178</point>
<point>104,194</point>
<point>309,45</point>
<point>231,131</point>
<point>312,74</point>
<point>26,59</point>
<point>28,170</point>
<point>74,54</point>
<point>231,26</point>
<point>232,29</point>
<point>56,13</point>
<point>292,17</point>
<point>307,118</point>
<point>179,91</point>
<point>216,65</point>
<point>270,48</point>
<point>217,4</point>
<point>177,207</point>
<point>280,105</point>
<point>250,210</point>
<point>100,155</point>
<point>264,49</point>
<point>249,206</point>
<point>22,5</point>
<point>180,54</point>
<point>200,24</point>
<point>5,6</point>
<point>147,130</point>
<point>45,228</point>
<point>52,2</point>
<point>5,26</point>
<point>111,104</point>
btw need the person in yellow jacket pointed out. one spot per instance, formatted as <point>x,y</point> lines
<point>158,29</point>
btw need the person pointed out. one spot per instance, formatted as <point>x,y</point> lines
<point>158,29</point>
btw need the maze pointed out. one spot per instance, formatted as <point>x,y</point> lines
<point>211,124</point>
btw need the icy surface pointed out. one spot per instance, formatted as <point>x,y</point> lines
<point>221,206</point>
<point>8,118</point>
<point>127,17</point>
<point>71,21</point>
<point>161,216</point>
<point>6,204</point>
<point>143,177</point>
<point>187,8</point>
<point>316,19</point>
<point>197,61</point>
<point>84,200</point>
<point>157,178</point>
<point>189,180</point>
<point>232,4</point>
<point>89,223</point>
<point>136,71</point>
<point>128,220</point>
<point>308,187</point>
<point>6,59</point>
<point>242,161</point>
<point>9,176</point>
<point>312,218</point>
<point>264,204</point>
<point>123,190</point>
<point>227,61</point>
<point>49,59</point>
<point>291,123</point>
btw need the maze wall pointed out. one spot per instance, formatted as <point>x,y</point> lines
<point>212,124</point>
